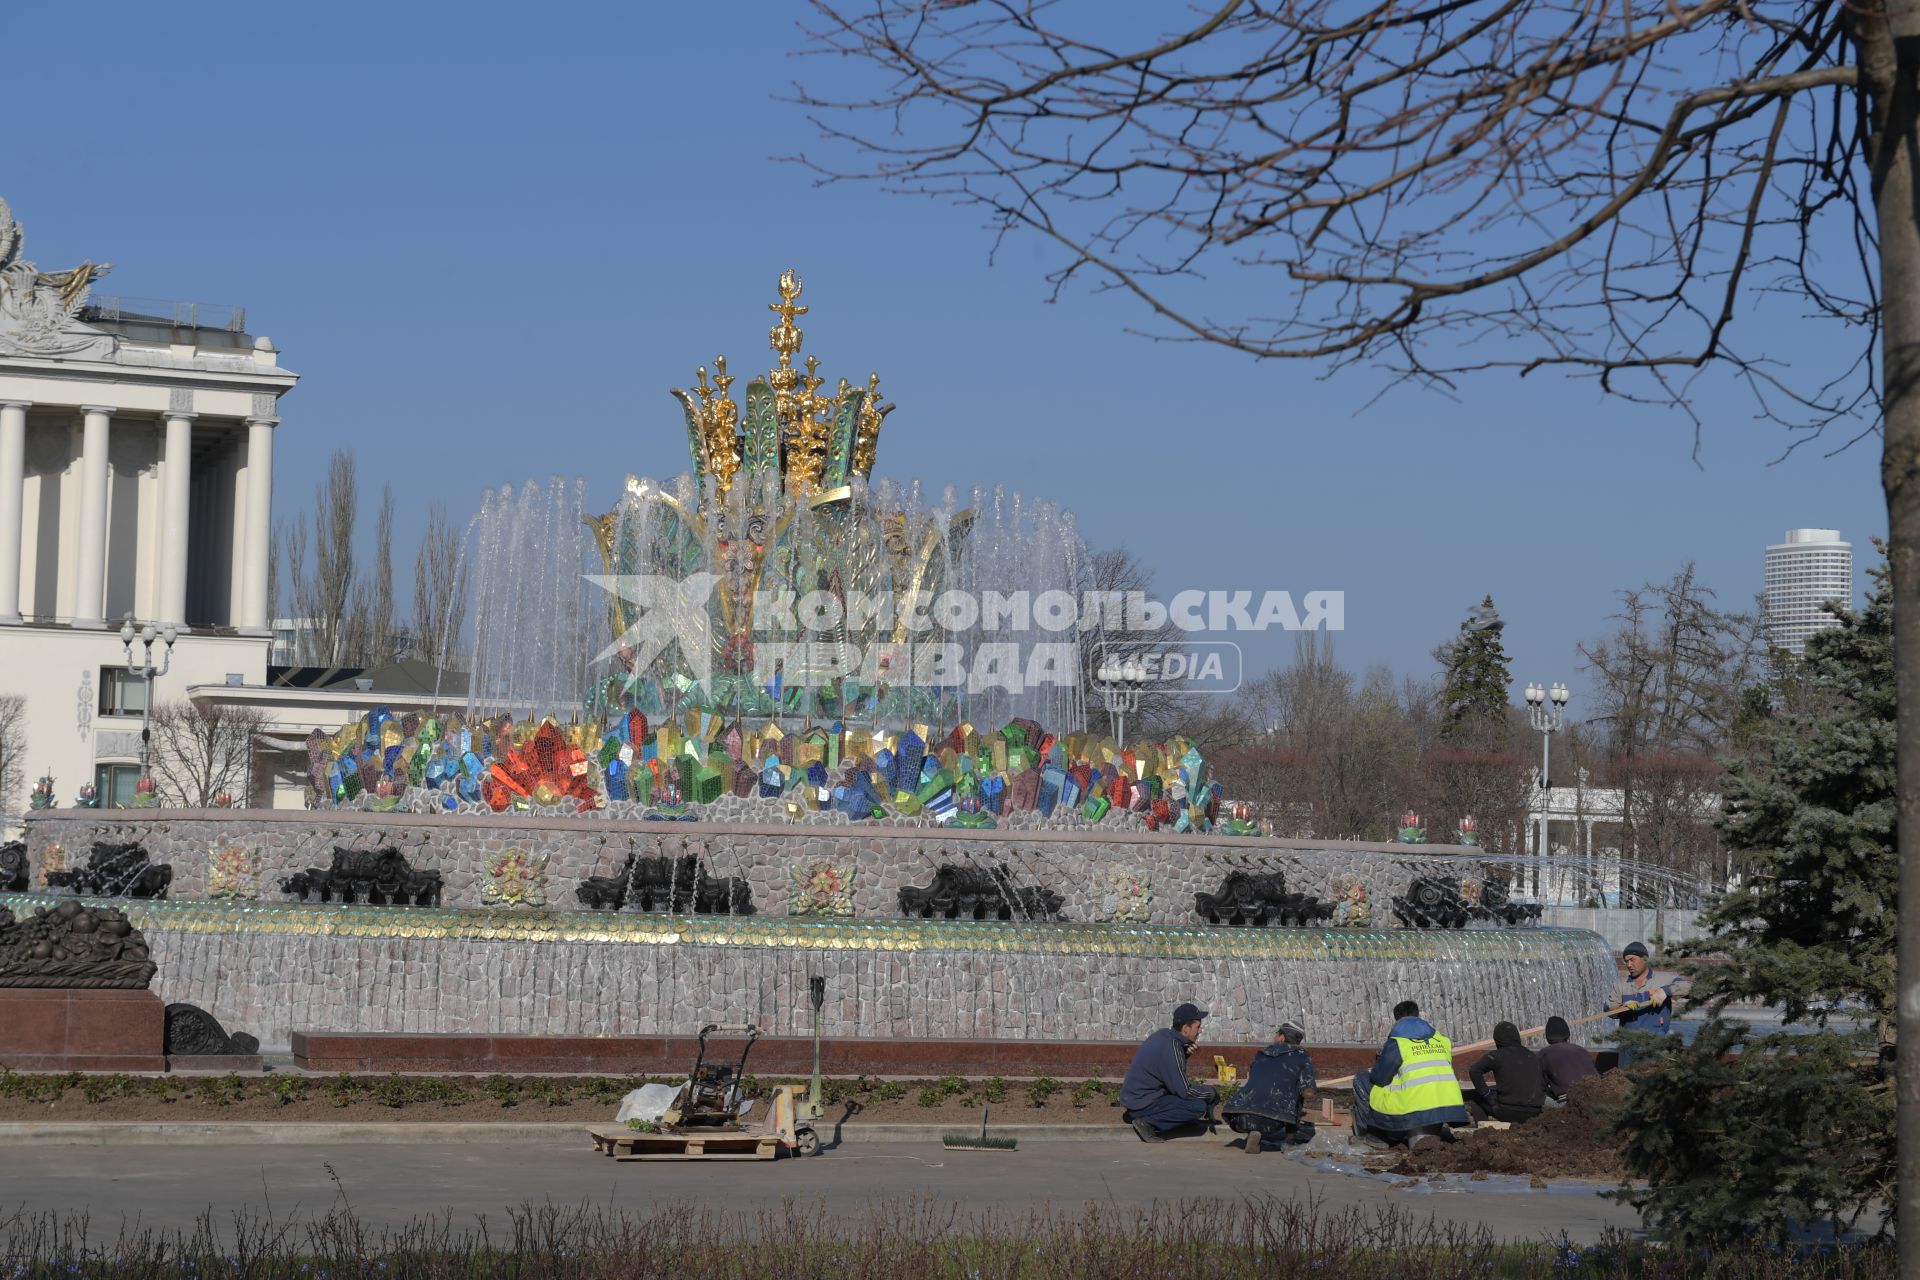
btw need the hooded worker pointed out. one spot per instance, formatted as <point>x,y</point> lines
<point>1563,1063</point>
<point>1519,1090</point>
<point>1269,1105</point>
<point>1411,1094</point>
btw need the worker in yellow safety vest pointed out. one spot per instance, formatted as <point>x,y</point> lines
<point>1411,1095</point>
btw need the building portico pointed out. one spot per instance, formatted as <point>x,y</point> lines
<point>136,478</point>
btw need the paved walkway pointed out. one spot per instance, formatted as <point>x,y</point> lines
<point>171,1186</point>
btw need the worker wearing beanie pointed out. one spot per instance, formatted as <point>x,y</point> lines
<point>1647,996</point>
<point>1269,1105</point>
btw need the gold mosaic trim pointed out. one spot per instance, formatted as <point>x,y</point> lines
<point>1198,942</point>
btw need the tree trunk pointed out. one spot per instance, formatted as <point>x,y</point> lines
<point>1889,60</point>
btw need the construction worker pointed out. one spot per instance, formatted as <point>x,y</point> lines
<point>1519,1088</point>
<point>1563,1063</point>
<point>1411,1095</point>
<point>1648,996</point>
<point>1159,1101</point>
<point>1269,1105</point>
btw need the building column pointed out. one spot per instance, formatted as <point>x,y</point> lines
<point>13,496</point>
<point>89,602</point>
<point>253,617</point>
<point>175,501</point>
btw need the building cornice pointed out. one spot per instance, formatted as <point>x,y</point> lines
<point>272,378</point>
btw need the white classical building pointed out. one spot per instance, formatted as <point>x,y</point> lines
<point>136,479</point>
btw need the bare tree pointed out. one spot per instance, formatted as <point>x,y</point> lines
<point>1333,756</point>
<point>370,636</point>
<point>1115,574</point>
<point>1671,680</point>
<point>1635,192</point>
<point>13,748</point>
<point>203,749</point>
<point>439,589</point>
<point>323,592</point>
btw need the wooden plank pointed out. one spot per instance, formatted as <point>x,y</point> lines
<point>687,1146</point>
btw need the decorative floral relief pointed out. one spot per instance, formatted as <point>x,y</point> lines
<point>1352,905</point>
<point>233,873</point>
<point>1128,898</point>
<point>515,878</point>
<point>52,858</point>
<point>821,889</point>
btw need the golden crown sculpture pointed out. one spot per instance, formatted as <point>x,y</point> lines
<point>814,443</point>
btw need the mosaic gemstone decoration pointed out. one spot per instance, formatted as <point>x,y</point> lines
<point>1128,898</point>
<point>515,878</point>
<point>822,888</point>
<point>233,872</point>
<point>53,861</point>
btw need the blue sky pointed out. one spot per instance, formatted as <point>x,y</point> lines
<point>491,245</point>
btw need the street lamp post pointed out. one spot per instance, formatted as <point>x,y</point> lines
<point>147,673</point>
<point>1120,684</point>
<point>1547,721</point>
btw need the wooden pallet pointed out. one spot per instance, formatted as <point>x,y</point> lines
<point>692,1145</point>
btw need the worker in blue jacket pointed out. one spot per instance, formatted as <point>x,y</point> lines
<point>1411,1094</point>
<point>1159,1100</point>
<point>1273,1101</point>
<point>1647,996</point>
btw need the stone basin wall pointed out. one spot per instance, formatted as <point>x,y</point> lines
<point>273,970</point>
<point>1113,876</point>
<point>1129,949</point>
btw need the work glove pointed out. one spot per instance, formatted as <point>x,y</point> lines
<point>1638,997</point>
<point>1657,997</point>
<point>1206,1093</point>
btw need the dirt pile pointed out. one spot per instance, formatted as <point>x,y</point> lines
<point>1566,1142</point>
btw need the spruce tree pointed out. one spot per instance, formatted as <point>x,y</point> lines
<point>1473,701</point>
<point>1743,1134</point>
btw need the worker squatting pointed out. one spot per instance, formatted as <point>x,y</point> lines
<point>1410,1095</point>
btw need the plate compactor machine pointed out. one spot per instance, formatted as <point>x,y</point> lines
<point>711,1098</point>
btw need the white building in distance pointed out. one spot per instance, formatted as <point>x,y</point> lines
<point>1811,567</point>
<point>136,479</point>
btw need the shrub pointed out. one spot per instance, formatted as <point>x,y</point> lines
<point>994,1090</point>
<point>287,1088</point>
<point>1087,1090</point>
<point>890,1090</point>
<point>552,1092</point>
<point>1042,1089</point>
<point>500,1090</point>
<point>342,1089</point>
<point>221,1091</point>
<point>940,1090</point>
<point>440,1089</point>
<point>392,1092</point>
<point>97,1089</point>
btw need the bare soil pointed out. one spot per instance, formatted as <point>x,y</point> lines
<point>518,1099</point>
<point>1567,1142</point>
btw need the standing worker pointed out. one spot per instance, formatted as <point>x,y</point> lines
<point>1411,1094</point>
<point>1648,996</point>
<point>1269,1105</point>
<point>1156,1093</point>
